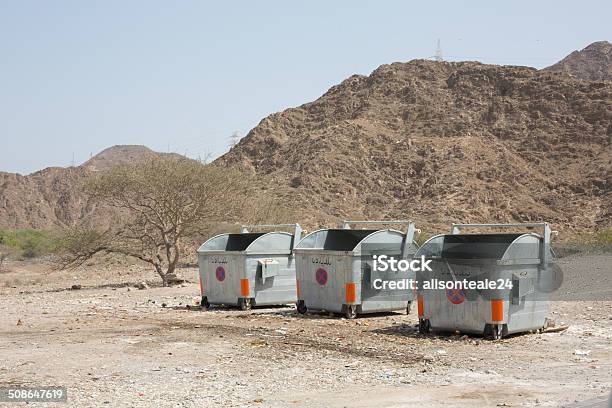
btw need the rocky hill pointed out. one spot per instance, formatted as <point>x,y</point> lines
<point>594,63</point>
<point>121,154</point>
<point>52,197</point>
<point>436,142</point>
<point>442,142</point>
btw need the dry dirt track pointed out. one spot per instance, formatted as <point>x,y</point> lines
<point>120,347</point>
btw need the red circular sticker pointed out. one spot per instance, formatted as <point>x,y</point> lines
<point>455,296</point>
<point>321,276</point>
<point>220,273</point>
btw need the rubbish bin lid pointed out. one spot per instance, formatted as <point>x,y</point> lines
<point>240,242</point>
<point>477,246</point>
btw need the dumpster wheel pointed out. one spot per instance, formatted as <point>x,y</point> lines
<point>301,307</point>
<point>424,326</point>
<point>494,331</point>
<point>244,303</point>
<point>351,311</point>
<point>204,304</point>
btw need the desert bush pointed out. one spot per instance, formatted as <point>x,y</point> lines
<point>604,237</point>
<point>421,238</point>
<point>161,204</point>
<point>593,242</point>
<point>27,243</point>
<point>3,257</point>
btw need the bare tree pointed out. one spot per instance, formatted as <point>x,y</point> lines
<point>160,203</point>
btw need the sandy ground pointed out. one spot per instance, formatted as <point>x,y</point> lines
<point>113,345</point>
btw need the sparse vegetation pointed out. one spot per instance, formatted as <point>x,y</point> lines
<point>604,237</point>
<point>597,242</point>
<point>161,203</point>
<point>3,257</point>
<point>26,243</point>
<point>421,237</point>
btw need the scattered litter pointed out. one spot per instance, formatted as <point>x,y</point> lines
<point>259,343</point>
<point>555,329</point>
<point>141,286</point>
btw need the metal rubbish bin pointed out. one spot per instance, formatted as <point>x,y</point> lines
<point>458,294</point>
<point>249,268</point>
<point>335,269</point>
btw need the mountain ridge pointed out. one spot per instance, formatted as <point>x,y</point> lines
<point>438,142</point>
<point>52,197</point>
<point>443,142</point>
<point>592,63</point>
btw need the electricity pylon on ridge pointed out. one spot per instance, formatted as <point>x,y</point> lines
<point>234,139</point>
<point>438,55</point>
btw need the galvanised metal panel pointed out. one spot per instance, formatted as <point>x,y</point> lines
<point>322,277</point>
<point>329,259</point>
<point>221,274</point>
<point>525,260</point>
<point>273,290</point>
<point>271,243</point>
<point>385,299</point>
<point>227,260</point>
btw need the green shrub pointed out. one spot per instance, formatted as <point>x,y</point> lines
<point>604,237</point>
<point>29,243</point>
<point>585,243</point>
<point>421,238</point>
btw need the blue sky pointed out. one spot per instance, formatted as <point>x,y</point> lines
<point>79,76</point>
